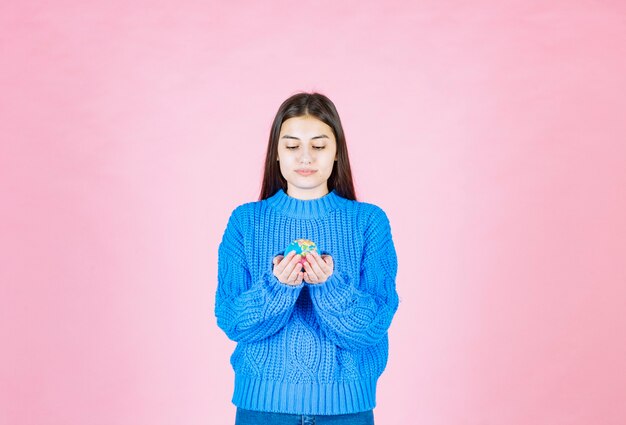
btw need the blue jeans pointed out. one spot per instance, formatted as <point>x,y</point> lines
<point>252,417</point>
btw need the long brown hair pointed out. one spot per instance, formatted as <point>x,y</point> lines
<point>319,106</point>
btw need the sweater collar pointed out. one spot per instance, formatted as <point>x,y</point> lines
<point>310,208</point>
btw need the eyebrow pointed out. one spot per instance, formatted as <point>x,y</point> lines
<point>322,136</point>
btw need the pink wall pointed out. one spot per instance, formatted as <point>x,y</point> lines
<point>492,132</point>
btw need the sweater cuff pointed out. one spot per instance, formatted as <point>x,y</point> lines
<point>336,295</point>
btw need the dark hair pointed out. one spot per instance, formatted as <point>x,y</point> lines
<point>319,106</point>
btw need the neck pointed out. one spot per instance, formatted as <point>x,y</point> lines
<point>307,194</point>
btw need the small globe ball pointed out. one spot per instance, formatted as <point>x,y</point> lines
<point>302,247</point>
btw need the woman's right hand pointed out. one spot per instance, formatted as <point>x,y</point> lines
<point>287,269</point>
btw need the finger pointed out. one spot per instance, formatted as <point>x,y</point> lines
<point>299,279</point>
<point>306,277</point>
<point>320,267</point>
<point>280,265</point>
<point>322,264</point>
<point>293,275</point>
<point>312,280</point>
<point>311,275</point>
<point>288,257</point>
<point>288,272</point>
<point>284,262</point>
<point>295,263</point>
<point>314,268</point>
<point>313,258</point>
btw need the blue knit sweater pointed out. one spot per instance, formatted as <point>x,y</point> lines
<point>313,348</point>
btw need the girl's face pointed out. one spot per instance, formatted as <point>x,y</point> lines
<point>307,151</point>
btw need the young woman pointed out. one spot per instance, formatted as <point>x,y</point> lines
<point>311,331</point>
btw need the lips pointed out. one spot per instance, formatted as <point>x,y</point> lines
<point>305,172</point>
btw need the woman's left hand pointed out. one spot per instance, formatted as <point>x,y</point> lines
<point>317,268</point>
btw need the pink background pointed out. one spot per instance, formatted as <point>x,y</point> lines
<point>492,133</point>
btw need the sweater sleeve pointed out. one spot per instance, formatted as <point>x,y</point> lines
<point>248,310</point>
<point>356,311</point>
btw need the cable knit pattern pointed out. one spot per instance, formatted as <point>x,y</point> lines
<point>314,349</point>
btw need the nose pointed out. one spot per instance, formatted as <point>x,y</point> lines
<point>305,158</point>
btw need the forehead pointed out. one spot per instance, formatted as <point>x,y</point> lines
<point>305,126</point>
